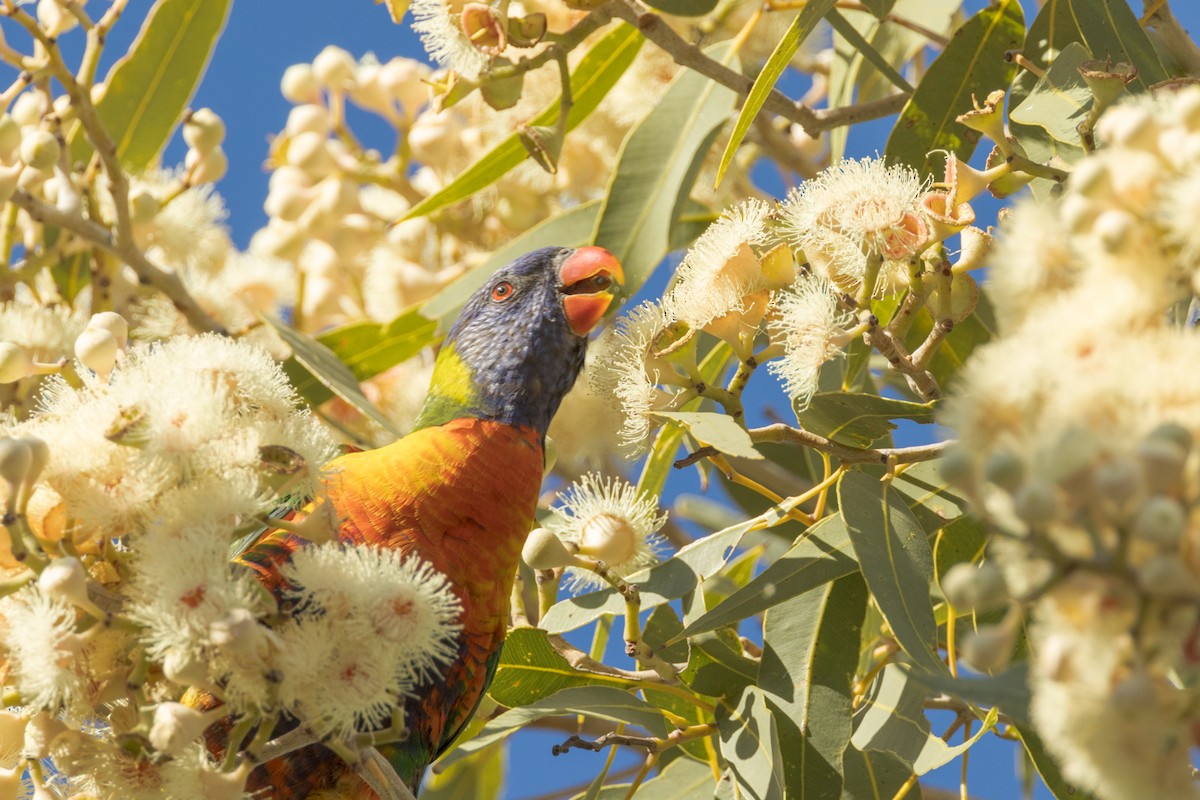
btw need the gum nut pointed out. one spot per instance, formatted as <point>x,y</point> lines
<point>609,538</point>
<point>308,118</point>
<point>1036,504</point>
<point>143,206</point>
<point>10,137</point>
<point>1160,520</point>
<point>203,130</point>
<point>97,350</point>
<point>15,363</point>
<point>112,322</point>
<point>334,67</point>
<point>309,152</point>
<point>40,150</point>
<point>299,84</point>
<point>15,460</point>
<point>1004,469</point>
<point>210,167</point>
<point>544,550</point>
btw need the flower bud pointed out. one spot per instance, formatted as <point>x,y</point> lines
<point>1036,504</point>
<point>308,118</point>
<point>15,363</point>
<point>65,579</point>
<point>10,176</point>
<point>1005,469</point>
<point>1119,481</point>
<point>27,109</point>
<point>114,323</point>
<point>96,349</point>
<point>203,130</point>
<point>299,84</point>
<point>1173,432</point>
<point>143,206</point>
<point>988,649</point>
<point>957,467</point>
<point>10,137</point>
<point>334,68</point>
<point>434,137</point>
<point>40,150</point>
<point>39,733</point>
<point>608,538</point>
<point>16,460</point>
<point>404,78</point>
<point>175,727</point>
<point>207,167</point>
<point>54,19</point>
<point>369,91</point>
<point>1161,521</point>
<point>1129,125</point>
<point>1162,461</point>
<point>309,152</point>
<point>1166,576</point>
<point>544,550</point>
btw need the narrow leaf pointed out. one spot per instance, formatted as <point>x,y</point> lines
<point>591,81</point>
<point>684,8</point>
<point>972,64</point>
<point>750,746</point>
<point>810,653</point>
<point>1111,30</point>
<point>876,775</point>
<point>716,430</point>
<point>717,667</point>
<point>601,702</point>
<point>852,35</point>
<point>1008,691</point>
<point>1060,100</point>
<point>150,86</point>
<point>531,669</point>
<point>933,501</point>
<point>896,561</point>
<point>822,555</point>
<point>859,419</point>
<point>682,779</point>
<point>803,25</point>
<point>655,159</point>
<point>324,365</point>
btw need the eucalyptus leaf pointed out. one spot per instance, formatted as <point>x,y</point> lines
<point>750,745</point>
<point>973,63</point>
<point>810,653</point>
<point>801,27</point>
<point>876,775</point>
<point>530,669</point>
<point>858,419</point>
<point>71,275</point>
<point>896,561</point>
<point>683,8</point>
<point>593,77</point>
<point>682,779</point>
<point>716,430</point>
<point>1111,30</point>
<point>1008,691</point>
<point>655,159</point>
<point>716,666</point>
<point>149,87</point>
<point>324,365</point>
<point>933,501</point>
<point>602,702</point>
<point>1060,100</point>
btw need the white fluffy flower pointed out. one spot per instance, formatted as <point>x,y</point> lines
<point>39,634</point>
<point>48,332</point>
<point>855,210</point>
<point>812,329</point>
<point>444,39</point>
<point>611,521</point>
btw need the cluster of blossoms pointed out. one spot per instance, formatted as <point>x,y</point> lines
<point>124,495</point>
<point>862,229</point>
<point>1078,440</point>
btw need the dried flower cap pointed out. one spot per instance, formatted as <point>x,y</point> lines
<point>610,520</point>
<point>442,35</point>
<point>485,28</point>
<point>988,118</point>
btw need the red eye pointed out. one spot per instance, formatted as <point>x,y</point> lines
<point>502,291</point>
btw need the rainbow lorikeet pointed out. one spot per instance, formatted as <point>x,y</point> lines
<point>461,489</point>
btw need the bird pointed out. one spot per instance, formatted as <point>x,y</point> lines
<point>459,491</point>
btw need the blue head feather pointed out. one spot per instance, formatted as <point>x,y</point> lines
<point>509,360</point>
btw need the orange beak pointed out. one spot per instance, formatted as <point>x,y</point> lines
<point>588,277</point>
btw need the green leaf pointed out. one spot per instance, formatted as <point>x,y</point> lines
<point>324,365</point>
<point>663,625</point>
<point>1008,691</point>
<point>802,26</point>
<point>896,561</point>
<point>716,666</point>
<point>852,35</point>
<point>958,345</point>
<point>858,419</point>
<point>932,500</point>
<point>150,86</point>
<point>531,669</point>
<point>1060,100</point>
<point>571,228</point>
<point>848,63</point>
<point>716,430</point>
<point>683,8</point>
<point>822,555</point>
<point>810,653</point>
<point>876,775</point>
<point>964,539</point>
<point>894,720</point>
<point>602,702</point>
<point>477,777</point>
<point>880,8</point>
<point>655,159</point>
<point>683,779</point>
<point>1047,767</point>
<point>363,349</point>
<point>660,584</point>
<point>898,45</point>
<point>1111,30</point>
<point>972,64</point>
<point>750,746</point>
<point>70,275</point>
<point>591,81</point>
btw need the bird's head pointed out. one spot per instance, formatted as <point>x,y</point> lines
<point>519,343</point>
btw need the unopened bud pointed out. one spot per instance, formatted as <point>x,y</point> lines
<point>1036,504</point>
<point>15,363</point>
<point>143,206</point>
<point>39,733</point>
<point>1162,461</point>
<point>1160,520</point>
<point>207,167</point>
<point>175,727</point>
<point>1166,576</point>
<point>40,150</point>
<point>309,152</point>
<point>609,538</point>
<point>65,579</point>
<point>988,649</point>
<point>334,68</point>
<point>10,137</point>
<point>96,349</point>
<point>16,460</point>
<point>308,118</point>
<point>544,550</point>
<point>203,130</point>
<point>299,84</point>
<point>1004,469</point>
<point>114,323</point>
